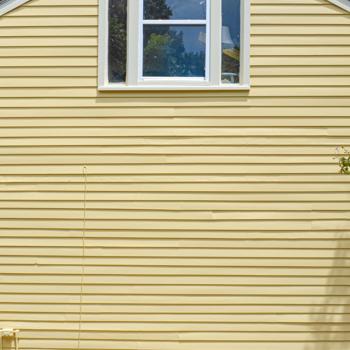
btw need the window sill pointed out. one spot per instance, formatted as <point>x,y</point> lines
<point>123,87</point>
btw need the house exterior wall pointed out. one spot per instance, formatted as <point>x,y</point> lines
<point>212,221</point>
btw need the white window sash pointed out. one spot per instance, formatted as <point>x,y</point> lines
<point>134,37</point>
<point>244,78</point>
<point>175,21</point>
<point>168,81</point>
<point>215,43</point>
<point>212,80</point>
<point>103,22</point>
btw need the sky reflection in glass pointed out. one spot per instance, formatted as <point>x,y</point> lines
<point>175,9</point>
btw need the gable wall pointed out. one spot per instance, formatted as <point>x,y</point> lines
<point>213,221</point>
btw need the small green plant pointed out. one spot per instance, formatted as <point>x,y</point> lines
<point>343,157</point>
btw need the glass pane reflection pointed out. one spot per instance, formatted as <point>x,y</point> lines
<point>174,51</point>
<point>117,41</point>
<point>231,24</point>
<point>175,9</point>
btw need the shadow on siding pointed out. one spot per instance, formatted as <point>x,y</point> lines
<point>331,321</point>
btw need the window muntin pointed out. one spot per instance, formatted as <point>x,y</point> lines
<point>204,47</point>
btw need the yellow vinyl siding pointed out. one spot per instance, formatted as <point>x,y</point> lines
<point>214,220</point>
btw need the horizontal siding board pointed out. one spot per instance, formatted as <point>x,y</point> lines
<point>176,280</point>
<point>48,42</point>
<point>138,111</point>
<point>91,71</point>
<point>307,141</point>
<point>30,270</point>
<point>47,21</point>
<point>87,36</point>
<point>135,160</point>
<point>172,169</point>
<point>191,131</point>
<point>52,31</point>
<point>40,310</point>
<point>45,11</point>
<point>295,9</point>
<point>186,187</point>
<point>71,92</point>
<point>49,3</point>
<point>207,149</point>
<point>168,102</point>
<point>282,19</point>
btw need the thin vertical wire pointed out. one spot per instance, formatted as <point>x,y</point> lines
<point>82,275</point>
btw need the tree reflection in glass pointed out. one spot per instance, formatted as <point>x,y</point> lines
<point>175,9</point>
<point>174,51</point>
<point>169,50</point>
<point>117,46</point>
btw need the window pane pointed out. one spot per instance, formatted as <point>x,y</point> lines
<point>117,40</point>
<point>174,9</point>
<point>231,24</point>
<point>174,51</point>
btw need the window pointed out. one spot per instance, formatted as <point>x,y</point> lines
<point>173,44</point>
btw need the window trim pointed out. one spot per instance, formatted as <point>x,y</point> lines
<point>133,77</point>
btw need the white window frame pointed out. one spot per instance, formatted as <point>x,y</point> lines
<point>135,80</point>
<point>136,51</point>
